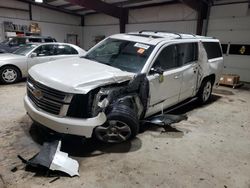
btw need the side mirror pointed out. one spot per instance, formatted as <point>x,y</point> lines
<point>159,71</point>
<point>33,54</point>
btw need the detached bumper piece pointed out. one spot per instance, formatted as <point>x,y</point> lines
<point>52,158</point>
<point>166,119</point>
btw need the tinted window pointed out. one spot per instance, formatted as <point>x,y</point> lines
<point>65,50</point>
<point>167,58</point>
<point>21,41</point>
<point>239,49</point>
<point>14,42</point>
<point>45,50</point>
<point>213,49</point>
<point>35,40</point>
<point>187,52</point>
<point>48,40</point>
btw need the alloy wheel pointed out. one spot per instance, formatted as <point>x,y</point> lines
<point>207,91</point>
<point>113,131</point>
<point>9,75</point>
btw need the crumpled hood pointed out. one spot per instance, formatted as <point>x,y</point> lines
<point>77,75</point>
<point>9,56</point>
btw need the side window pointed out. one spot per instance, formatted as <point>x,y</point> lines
<point>21,41</point>
<point>13,42</point>
<point>45,50</point>
<point>64,50</point>
<point>35,40</point>
<point>187,52</point>
<point>213,49</point>
<point>167,58</point>
<point>48,40</point>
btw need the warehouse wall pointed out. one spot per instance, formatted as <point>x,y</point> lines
<point>168,17</point>
<point>231,24</point>
<point>50,21</point>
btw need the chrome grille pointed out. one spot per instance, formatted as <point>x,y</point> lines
<point>48,99</point>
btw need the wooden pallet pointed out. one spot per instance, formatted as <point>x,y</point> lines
<point>233,85</point>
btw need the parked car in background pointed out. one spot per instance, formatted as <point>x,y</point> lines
<point>14,66</point>
<point>121,81</point>
<point>13,43</point>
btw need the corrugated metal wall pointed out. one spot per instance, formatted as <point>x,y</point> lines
<point>231,24</point>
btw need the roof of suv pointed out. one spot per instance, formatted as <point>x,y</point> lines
<point>30,37</point>
<point>154,37</point>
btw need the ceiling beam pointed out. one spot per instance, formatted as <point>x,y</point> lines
<point>109,9</point>
<point>194,4</point>
<point>99,6</point>
<point>45,5</point>
<point>65,5</point>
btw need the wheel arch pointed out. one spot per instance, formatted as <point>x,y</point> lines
<point>209,77</point>
<point>11,65</point>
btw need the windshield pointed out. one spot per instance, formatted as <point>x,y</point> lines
<point>125,55</point>
<point>6,41</point>
<point>25,49</point>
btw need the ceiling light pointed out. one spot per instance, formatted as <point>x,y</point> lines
<point>39,1</point>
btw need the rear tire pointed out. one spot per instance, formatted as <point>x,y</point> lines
<point>205,91</point>
<point>9,75</point>
<point>122,124</point>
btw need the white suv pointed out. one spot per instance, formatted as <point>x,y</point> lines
<point>120,81</point>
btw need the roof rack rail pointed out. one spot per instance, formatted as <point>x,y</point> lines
<point>161,32</point>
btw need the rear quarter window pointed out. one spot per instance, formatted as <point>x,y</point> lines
<point>48,40</point>
<point>35,40</point>
<point>213,49</point>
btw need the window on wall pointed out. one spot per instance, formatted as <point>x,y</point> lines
<point>239,49</point>
<point>224,48</point>
<point>187,53</point>
<point>213,49</point>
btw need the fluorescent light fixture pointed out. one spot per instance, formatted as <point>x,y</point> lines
<point>39,1</point>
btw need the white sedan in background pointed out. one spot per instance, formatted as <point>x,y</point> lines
<point>15,66</point>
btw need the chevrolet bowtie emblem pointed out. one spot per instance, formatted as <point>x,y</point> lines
<point>37,93</point>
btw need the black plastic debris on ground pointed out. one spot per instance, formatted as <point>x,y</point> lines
<point>165,119</point>
<point>51,162</point>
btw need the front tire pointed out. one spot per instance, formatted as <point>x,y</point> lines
<point>122,124</point>
<point>9,75</point>
<point>205,91</point>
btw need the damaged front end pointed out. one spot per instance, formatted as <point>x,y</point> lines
<point>124,105</point>
<point>133,94</point>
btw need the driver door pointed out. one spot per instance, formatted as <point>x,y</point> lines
<point>44,53</point>
<point>165,88</point>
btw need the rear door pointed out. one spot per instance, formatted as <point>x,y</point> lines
<point>188,59</point>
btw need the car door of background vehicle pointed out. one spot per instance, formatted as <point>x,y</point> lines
<point>188,58</point>
<point>44,53</point>
<point>164,93</point>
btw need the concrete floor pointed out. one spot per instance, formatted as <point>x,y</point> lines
<point>210,149</point>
